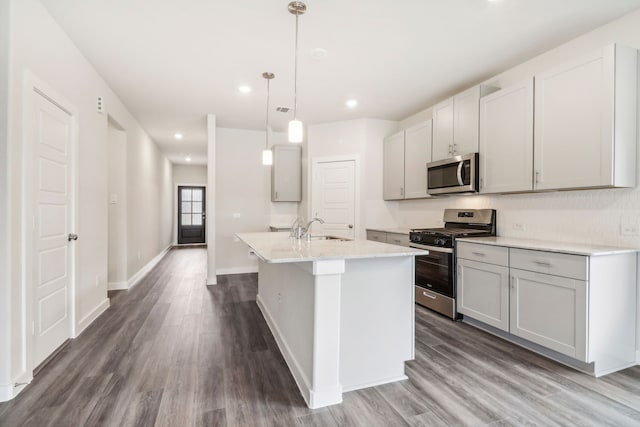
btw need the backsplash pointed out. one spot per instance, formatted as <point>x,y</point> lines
<point>585,216</point>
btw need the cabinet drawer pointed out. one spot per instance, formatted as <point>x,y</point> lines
<point>497,255</point>
<point>378,236</point>
<point>565,265</point>
<point>398,239</point>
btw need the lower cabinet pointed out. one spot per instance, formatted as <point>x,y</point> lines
<point>559,304</point>
<point>483,292</point>
<point>550,311</point>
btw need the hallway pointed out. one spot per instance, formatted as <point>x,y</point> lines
<point>173,352</point>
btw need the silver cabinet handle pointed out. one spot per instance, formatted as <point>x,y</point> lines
<point>72,237</point>
<point>478,253</point>
<point>276,195</point>
<point>513,282</point>
<point>455,148</point>
<point>401,191</point>
<point>542,263</point>
<point>429,296</point>
<point>537,177</point>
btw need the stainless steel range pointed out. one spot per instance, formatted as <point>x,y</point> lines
<point>435,273</point>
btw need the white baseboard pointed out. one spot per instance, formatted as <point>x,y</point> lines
<point>298,374</point>
<point>212,280</point>
<point>237,270</point>
<point>9,391</point>
<point>375,383</point>
<point>93,315</point>
<point>147,268</point>
<point>117,286</point>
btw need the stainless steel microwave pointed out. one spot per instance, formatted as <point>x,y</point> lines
<point>455,175</point>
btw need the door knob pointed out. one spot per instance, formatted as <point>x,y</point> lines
<point>72,237</point>
<point>350,225</point>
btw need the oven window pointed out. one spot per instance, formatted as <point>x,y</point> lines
<point>435,272</point>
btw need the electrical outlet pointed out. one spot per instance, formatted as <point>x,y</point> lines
<point>629,230</point>
<point>236,215</point>
<point>518,226</point>
<point>279,297</point>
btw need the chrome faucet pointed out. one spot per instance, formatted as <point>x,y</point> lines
<point>299,231</point>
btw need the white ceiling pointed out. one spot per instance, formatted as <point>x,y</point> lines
<point>172,62</point>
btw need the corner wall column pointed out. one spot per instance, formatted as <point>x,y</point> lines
<point>211,200</point>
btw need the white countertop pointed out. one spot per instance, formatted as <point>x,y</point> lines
<point>541,245</point>
<point>280,248</point>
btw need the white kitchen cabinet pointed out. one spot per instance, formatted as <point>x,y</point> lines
<point>506,139</point>
<point>405,159</point>
<point>456,122</point>
<point>483,292</point>
<point>585,122</point>
<point>399,239</point>
<point>286,173</point>
<point>550,311</point>
<point>393,167</point>
<point>417,153</point>
<point>577,306</point>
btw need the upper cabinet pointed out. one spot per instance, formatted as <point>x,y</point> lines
<point>286,173</point>
<point>585,122</point>
<point>393,167</point>
<point>506,139</point>
<point>455,124</point>
<point>405,159</point>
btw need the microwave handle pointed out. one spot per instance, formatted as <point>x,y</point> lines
<point>460,180</point>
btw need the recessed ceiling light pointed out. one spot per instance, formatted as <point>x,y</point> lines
<point>188,158</point>
<point>244,89</point>
<point>178,135</point>
<point>352,103</point>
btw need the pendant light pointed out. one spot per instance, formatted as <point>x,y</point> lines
<point>296,8</point>
<point>267,154</point>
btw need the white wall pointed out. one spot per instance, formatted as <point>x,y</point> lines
<point>186,175</point>
<point>39,45</point>
<point>5,298</point>
<point>243,196</point>
<point>117,219</point>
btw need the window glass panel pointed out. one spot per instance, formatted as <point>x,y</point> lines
<point>186,195</point>
<point>197,207</point>
<point>197,195</point>
<point>197,219</point>
<point>186,207</point>
<point>186,219</point>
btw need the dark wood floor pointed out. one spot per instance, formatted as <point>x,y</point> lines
<point>173,352</point>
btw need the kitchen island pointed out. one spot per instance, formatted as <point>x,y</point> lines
<point>341,311</point>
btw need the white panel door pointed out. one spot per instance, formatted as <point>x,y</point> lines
<point>506,139</point>
<point>335,198</point>
<point>52,248</point>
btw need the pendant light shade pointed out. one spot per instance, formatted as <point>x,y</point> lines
<point>296,8</point>
<point>296,131</point>
<point>267,154</point>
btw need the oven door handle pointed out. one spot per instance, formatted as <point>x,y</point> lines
<point>460,180</point>
<point>431,248</point>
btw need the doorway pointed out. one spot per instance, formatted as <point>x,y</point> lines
<point>191,215</point>
<point>334,196</point>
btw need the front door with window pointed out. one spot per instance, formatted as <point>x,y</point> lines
<point>191,214</point>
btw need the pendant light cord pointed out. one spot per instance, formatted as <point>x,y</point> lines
<point>295,75</point>
<point>267,115</point>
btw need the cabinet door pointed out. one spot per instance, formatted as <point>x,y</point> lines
<point>398,239</point>
<point>286,173</point>
<point>550,311</point>
<point>466,116</point>
<point>442,130</point>
<point>417,153</point>
<point>506,140</point>
<point>483,292</point>
<point>576,123</point>
<point>393,167</point>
